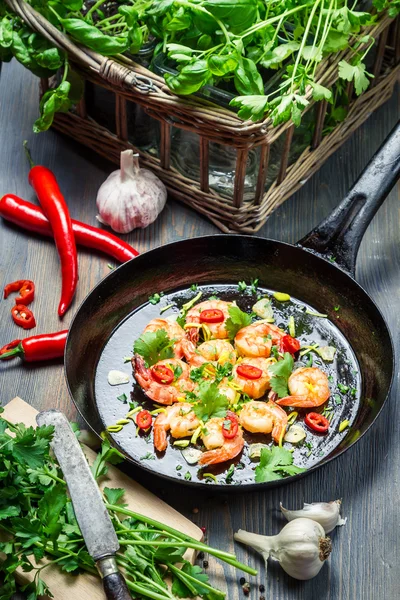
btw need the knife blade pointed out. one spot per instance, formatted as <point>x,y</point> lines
<point>90,511</point>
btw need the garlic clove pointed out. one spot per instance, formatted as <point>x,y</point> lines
<point>117,377</point>
<point>326,514</point>
<point>295,434</point>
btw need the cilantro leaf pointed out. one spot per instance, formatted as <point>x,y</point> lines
<point>211,402</point>
<point>281,372</point>
<point>154,346</point>
<point>237,320</point>
<point>275,463</point>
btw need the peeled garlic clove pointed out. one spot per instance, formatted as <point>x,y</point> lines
<point>130,197</point>
<point>295,434</point>
<point>263,309</point>
<point>117,377</point>
<point>326,514</point>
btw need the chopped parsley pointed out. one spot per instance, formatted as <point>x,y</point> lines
<point>275,353</point>
<point>122,398</point>
<point>177,369</point>
<point>154,346</point>
<point>178,468</point>
<point>254,285</point>
<point>155,298</point>
<point>337,399</point>
<point>211,402</point>
<point>214,297</point>
<point>237,320</point>
<point>336,308</point>
<point>343,388</point>
<point>353,392</point>
<point>148,456</point>
<point>193,287</point>
<point>275,463</point>
<point>188,476</point>
<point>280,374</point>
<point>242,286</point>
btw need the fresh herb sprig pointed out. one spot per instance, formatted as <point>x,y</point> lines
<point>37,517</point>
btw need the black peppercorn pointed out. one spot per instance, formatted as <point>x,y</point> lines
<point>242,581</point>
<point>261,588</point>
<point>201,555</point>
<point>205,564</point>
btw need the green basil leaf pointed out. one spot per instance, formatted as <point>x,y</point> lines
<point>91,37</point>
<point>190,79</point>
<point>6,32</point>
<point>130,14</point>
<point>247,79</point>
<point>54,100</point>
<point>221,65</point>
<point>238,15</point>
<point>73,5</point>
<point>160,7</point>
<point>205,23</point>
<point>77,88</point>
<point>136,40</point>
<point>204,42</point>
<point>180,21</point>
<point>21,52</point>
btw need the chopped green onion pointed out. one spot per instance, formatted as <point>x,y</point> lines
<point>148,456</point>
<point>111,267</point>
<point>122,421</point>
<point>310,361</point>
<point>343,425</point>
<point>193,287</point>
<point>133,411</point>
<point>336,308</point>
<point>315,314</point>
<point>292,327</point>
<point>242,285</point>
<point>337,399</point>
<point>192,302</point>
<point>181,443</point>
<point>178,468</point>
<point>188,476</point>
<point>155,298</point>
<point>306,349</point>
<point>292,417</point>
<point>281,297</point>
<point>127,359</point>
<point>162,310</point>
<point>114,428</point>
<point>210,476</point>
<point>343,388</point>
<point>157,411</point>
<point>353,391</point>
<point>195,435</point>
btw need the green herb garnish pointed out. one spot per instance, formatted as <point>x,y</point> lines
<point>154,346</point>
<point>122,398</point>
<point>211,402</point>
<point>275,463</point>
<point>280,374</point>
<point>343,388</point>
<point>193,287</point>
<point>236,321</point>
<point>155,298</point>
<point>242,286</point>
<point>148,456</point>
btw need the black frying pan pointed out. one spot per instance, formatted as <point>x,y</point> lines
<point>318,273</point>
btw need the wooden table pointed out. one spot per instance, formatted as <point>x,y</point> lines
<point>366,552</point>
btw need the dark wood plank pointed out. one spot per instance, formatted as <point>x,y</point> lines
<point>366,555</point>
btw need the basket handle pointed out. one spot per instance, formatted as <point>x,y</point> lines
<point>340,234</point>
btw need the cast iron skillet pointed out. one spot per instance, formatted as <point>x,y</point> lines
<point>318,272</point>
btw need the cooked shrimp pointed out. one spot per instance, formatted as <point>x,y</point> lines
<point>264,417</point>
<point>173,330</point>
<point>163,393</point>
<point>253,387</point>
<point>179,419</point>
<point>308,387</point>
<point>257,339</point>
<point>218,330</point>
<point>218,351</point>
<point>219,449</point>
<point>226,390</point>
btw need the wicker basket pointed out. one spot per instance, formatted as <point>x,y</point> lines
<point>215,125</point>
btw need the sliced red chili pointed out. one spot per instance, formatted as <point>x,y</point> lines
<point>162,374</point>
<point>230,426</point>
<point>144,419</point>
<point>211,315</point>
<point>289,344</point>
<point>249,372</point>
<point>317,422</point>
<point>26,289</point>
<point>23,317</point>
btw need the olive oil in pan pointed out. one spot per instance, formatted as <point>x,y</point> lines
<point>343,373</point>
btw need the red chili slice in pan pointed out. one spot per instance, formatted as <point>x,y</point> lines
<point>249,372</point>
<point>211,315</point>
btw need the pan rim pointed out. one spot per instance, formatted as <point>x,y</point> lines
<point>248,486</point>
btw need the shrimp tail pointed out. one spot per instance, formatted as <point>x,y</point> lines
<point>193,334</point>
<point>227,452</point>
<point>160,436</point>
<point>142,373</point>
<point>188,348</point>
<point>300,402</point>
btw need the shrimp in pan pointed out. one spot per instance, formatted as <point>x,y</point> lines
<point>179,419</point>
<point>252,376</point>
<point>264,417</point>
<point>166,381</point>
<point>219,448</point>
<point>218,351</point>
<point>212,313</point>
<point>308,387</point>
<point>173,330</point>
<point>257,339</point>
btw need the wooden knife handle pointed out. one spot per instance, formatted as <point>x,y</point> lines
<point>115,587</point>
<point>114,584</point>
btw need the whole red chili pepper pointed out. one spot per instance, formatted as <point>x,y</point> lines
<point>23,316</point>
<point>26,289</point>
<point>31,217</point>
<point>55,208</point>
<point>38,347</point>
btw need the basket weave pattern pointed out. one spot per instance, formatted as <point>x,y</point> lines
<point>133,83</point>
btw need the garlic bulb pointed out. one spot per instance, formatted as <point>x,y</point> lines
<point>130,197</point>
<point>326,514</point>
<point>301,547</point>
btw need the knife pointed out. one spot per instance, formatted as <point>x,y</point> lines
<point>90,511</point>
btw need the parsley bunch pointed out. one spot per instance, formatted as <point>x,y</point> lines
<point>38,521</point>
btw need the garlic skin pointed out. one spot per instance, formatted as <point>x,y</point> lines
<point>301,547</point>
<point>326,514</point>
<point>130,197</point>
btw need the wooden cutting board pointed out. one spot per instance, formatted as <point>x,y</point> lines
<point>87,586</point>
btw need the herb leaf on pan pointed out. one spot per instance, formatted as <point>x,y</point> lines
<point>154,346</point>
<point>212,402</point>
<point>237,320</point>
<point>275,463</point>
<point>281,372</point>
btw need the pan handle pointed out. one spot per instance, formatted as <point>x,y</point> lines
<point>340,234</point>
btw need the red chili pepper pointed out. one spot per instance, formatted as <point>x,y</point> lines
<point>230,426</point>
<point>317,422</point>
<point>30,217</point>
<point>289,344</point>
<point>249,372</point>
<point>211,315</point>
<point>162,374</point>
<point>38,347</point>
<point>56,210</point>
<point>26,289</point>
<point>144,419</point>
<point>23,316</point>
